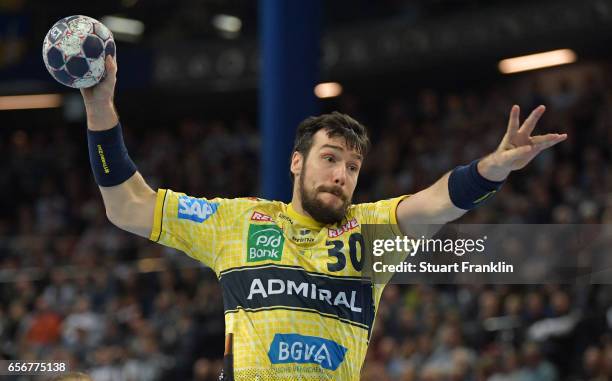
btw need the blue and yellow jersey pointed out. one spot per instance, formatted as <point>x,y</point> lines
<point>295,302</point>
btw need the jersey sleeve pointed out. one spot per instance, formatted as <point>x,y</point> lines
<point>382,212</point>
<point>193,225</point>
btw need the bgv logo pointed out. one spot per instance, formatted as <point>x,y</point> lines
<point>294,348</point>
<point>265,242</point>
<point>195,209</point>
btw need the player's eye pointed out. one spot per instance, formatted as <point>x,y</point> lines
<point>353,168</point>
<point>329,159</point>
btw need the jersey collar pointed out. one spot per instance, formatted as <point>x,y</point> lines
<point>303,220</point>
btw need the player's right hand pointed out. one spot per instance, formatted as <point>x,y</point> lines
<point>102,93</point>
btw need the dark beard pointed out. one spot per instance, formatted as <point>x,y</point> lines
<point>317,210</point>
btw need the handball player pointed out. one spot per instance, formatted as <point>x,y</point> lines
<point>296,306</point>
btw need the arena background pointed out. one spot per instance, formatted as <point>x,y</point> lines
<point>422,75</point>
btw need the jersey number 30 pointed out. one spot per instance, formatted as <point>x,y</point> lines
<point>336,251</point>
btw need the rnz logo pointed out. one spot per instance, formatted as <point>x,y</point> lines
<point>265,242</point>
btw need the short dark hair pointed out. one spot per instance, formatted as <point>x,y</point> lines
<point>336,124</point>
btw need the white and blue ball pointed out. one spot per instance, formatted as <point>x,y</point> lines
<point>74,50</point>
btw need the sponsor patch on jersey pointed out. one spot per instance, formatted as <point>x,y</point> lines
<point>258,216</point>
<point>256,287</point>
<point>265,242</point>
<point>301,240</point>
<point>195,209</point>
<point>350,225</point>
<point>286,218</point>
<point>289,348</point>
<point>304,236</point>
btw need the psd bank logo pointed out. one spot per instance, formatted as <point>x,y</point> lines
<point>294,348</point>
<point>265,242</point>
<point>195,209</point>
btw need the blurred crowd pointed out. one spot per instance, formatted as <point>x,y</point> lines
<point>75,288</point>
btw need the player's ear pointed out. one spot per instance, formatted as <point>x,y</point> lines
<point>297,161</point>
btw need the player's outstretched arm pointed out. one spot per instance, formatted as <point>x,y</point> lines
<point>467,186</point>
<point>129,201</point>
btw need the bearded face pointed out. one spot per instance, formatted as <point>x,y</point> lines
<point>327,177</point>
<point>324,203</point>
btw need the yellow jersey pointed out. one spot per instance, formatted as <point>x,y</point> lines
<point>296,304</point>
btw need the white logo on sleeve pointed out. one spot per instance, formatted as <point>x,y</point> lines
<point>195,209</point>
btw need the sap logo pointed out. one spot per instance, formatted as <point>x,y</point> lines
<point>265,242</point>
<point>257,216</point>
<point>294,348</point>
<point>350,225</point>
<point>195,209</point>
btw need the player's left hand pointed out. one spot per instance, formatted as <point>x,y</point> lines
<point>518,147</point>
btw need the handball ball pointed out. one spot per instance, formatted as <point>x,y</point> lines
<point>74,50</point>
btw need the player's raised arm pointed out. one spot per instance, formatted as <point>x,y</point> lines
<point>129,201</point>
<point>467,186</point>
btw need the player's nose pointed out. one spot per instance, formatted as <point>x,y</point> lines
<point>340,175</point>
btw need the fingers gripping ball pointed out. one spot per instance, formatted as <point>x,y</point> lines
<point>74,50</point>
